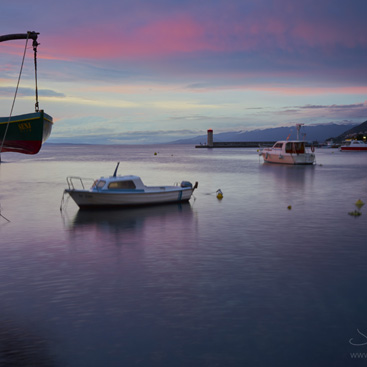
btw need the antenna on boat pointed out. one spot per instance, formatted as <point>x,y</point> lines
<point>298,129</point>
<point>115,173</point>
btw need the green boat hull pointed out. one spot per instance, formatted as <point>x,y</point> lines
<point>25,133</point>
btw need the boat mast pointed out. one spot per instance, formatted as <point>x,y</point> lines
<point>298,126</point>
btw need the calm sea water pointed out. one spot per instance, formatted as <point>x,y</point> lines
<point>242,281</point>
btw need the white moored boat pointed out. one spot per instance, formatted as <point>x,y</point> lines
<point>120,191</point>
<point>353,146</point>
<point>289,152</point>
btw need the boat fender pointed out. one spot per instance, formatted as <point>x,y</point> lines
<point>219,194</point>
<point>266,156</point>
<point>312,148</point>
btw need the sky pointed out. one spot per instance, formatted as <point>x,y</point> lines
<point>152,71</point>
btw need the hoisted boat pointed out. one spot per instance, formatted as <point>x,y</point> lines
<point>27,132</point>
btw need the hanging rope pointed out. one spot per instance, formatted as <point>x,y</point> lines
<point>35,44</point>
<point>15,96</point>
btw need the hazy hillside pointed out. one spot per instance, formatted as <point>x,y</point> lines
<point>359,129</point>
<point>318,133</point>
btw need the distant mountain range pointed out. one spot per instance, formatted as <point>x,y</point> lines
<point>318,133</point>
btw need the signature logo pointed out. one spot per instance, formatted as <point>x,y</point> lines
<point>25,127</point>
<point>361,343</point>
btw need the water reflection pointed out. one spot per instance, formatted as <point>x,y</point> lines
<point>131,220</point>
<point>284,175</point>
<point>20,346</point>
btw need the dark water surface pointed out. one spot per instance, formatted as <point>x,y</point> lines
<point>239,282</point>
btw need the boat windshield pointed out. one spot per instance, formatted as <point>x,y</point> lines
<point>100,184</point>
<point>278,145</point>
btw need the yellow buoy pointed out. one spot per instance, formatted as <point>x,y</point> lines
<point>359,203</point>
<point>155,153</point>
<point>289,207</point>
<point>219,194</point>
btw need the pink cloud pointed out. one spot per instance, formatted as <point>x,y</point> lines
<point>225,30</point>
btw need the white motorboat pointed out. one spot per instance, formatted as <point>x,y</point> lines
<point>353,146</point>
<point>124,191</point>
<point>289,152</point>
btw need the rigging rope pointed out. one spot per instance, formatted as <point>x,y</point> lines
<point>16,91</point>
<point>35,44</point>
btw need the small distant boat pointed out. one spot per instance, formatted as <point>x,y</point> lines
<point>27,132</point>
<point>125,191</point>
<point>289,152</point>
<point>353,146</point>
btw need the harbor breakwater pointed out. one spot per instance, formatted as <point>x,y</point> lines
<point>242,144</point>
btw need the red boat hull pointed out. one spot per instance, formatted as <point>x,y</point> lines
<point>354,149</point>
<point>19,146</point>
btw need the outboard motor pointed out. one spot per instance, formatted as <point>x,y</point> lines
<point>186,184</point>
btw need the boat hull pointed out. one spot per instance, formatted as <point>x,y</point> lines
<point>292,159</point>
<point>25,133</point>
<point>353,149</point>
<point>88,200</point>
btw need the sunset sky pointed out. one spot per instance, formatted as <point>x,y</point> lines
<point>138,71</point>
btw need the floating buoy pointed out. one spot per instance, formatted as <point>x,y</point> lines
<point>356,213</point>
<point>155,153</point>
<point>359,203</point>
<point>289,207</point>
<point>219,194</point>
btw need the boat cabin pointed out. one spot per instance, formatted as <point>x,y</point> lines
<point>115,183</point>
<point>354,143</point>
<point>292,147</point>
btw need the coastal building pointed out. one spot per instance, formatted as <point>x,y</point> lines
<point>210,138</point>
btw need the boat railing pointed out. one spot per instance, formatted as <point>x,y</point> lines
<point>74,182</point>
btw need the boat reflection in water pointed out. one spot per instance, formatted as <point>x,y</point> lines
<point>128,225</point>
<point>296,175</point>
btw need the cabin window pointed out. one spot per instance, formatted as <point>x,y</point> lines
<point>288,148</point>
<point>100,184</point>
<point>122,185</point>
<point>300,148</point>
<point>295,148</point>
<point>278,145</point>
